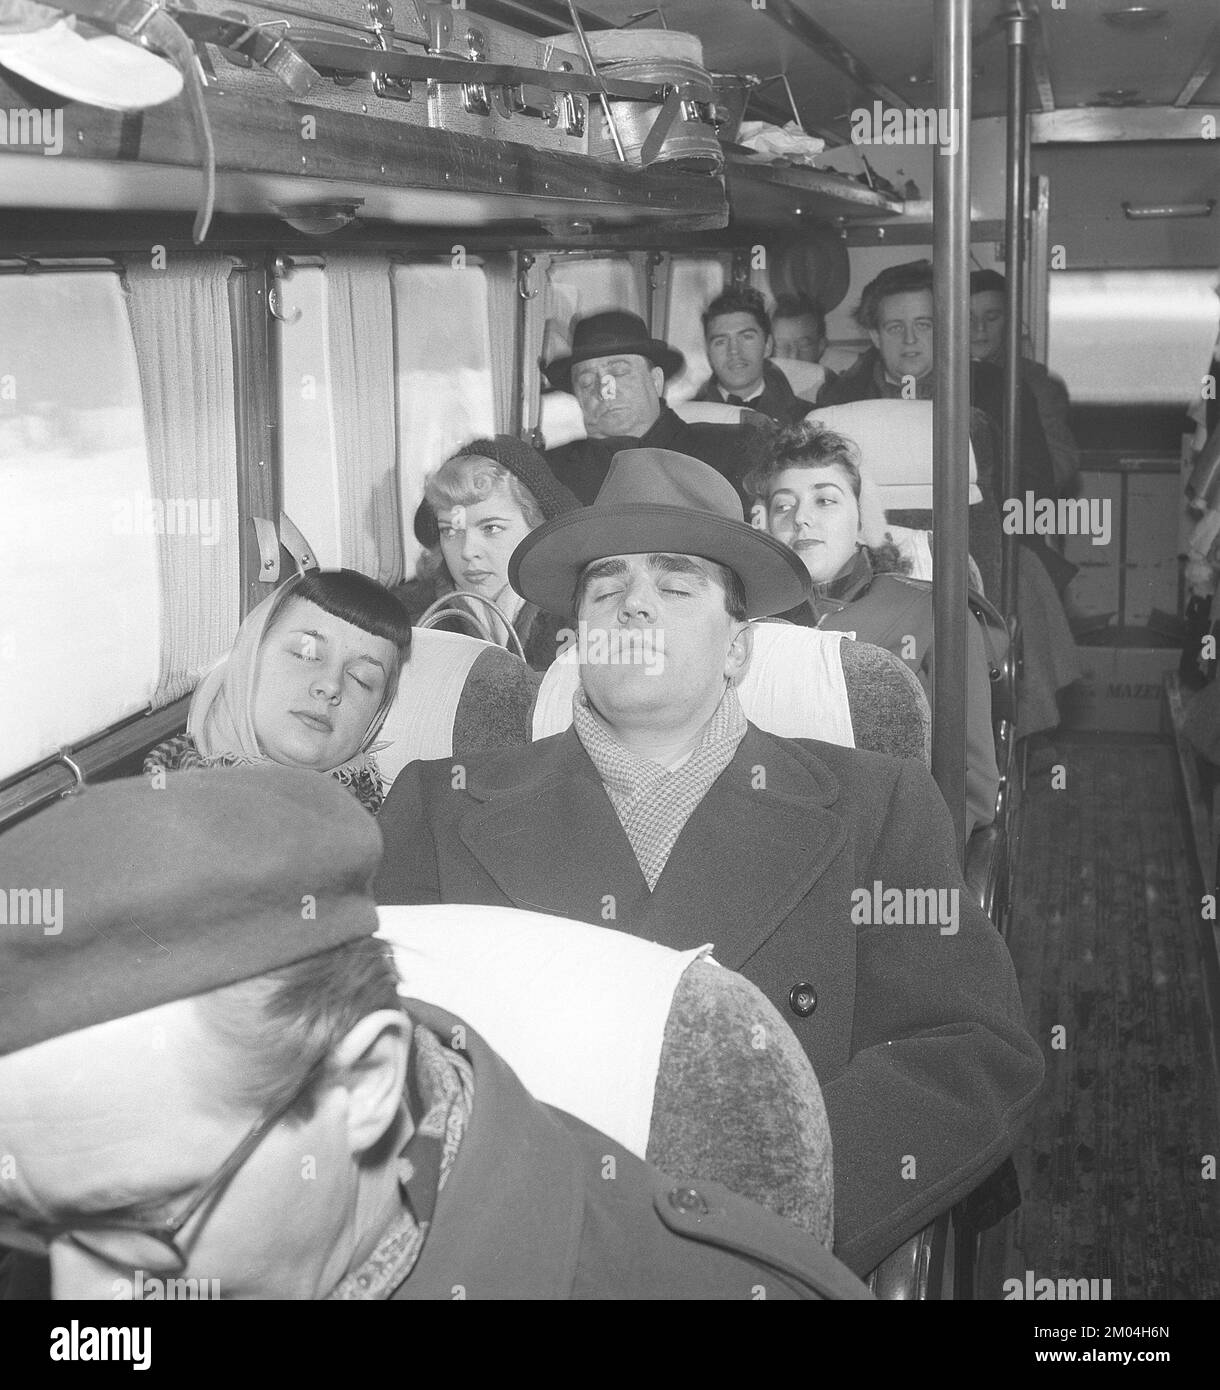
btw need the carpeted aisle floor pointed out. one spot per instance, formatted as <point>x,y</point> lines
<point>1106,943</point>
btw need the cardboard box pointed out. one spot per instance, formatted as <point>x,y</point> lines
<point>1123,690</point>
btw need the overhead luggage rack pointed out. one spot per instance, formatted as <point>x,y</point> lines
<point>786,195</point>
<point>324,103</point>
<point>388,171</point>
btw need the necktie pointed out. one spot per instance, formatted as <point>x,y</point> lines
<point>734,400</point>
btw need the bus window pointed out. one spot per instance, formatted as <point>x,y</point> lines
<point>443,359</point>
<point>578,286</point>
<point>1158,327</point>
<point>694,281</point>
<point>80,629</point>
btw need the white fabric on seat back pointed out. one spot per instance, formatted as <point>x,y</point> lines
<point>805,378</point>
<point>560,419</point>
<point>794,686</point>
<point>707,412</point>
<point>577,1011</point>
<point>915,546</point>
<point>895,443</point>
<point>420,722</point>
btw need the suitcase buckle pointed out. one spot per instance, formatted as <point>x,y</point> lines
<point>392,88</point>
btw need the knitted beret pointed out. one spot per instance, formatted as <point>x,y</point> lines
<point>135,893</point>
<point>525,463</point>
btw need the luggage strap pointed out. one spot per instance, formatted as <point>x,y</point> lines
<point>359,60</point>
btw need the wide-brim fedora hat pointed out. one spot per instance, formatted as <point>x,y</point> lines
<point>608,334</point>
<point>655,501</point>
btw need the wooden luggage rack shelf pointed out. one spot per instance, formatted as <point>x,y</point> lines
<point>781,195</point>
<point>395,173</point>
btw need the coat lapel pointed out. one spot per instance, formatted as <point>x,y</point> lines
<point>753,848</point>
<point>549,836</point>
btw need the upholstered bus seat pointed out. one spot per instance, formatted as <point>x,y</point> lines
<point>801,683</point>
<point>895,443</point>
<point>457,694</point>
<point>681,1061</point>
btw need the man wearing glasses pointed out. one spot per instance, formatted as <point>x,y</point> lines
<point>207,1074</point>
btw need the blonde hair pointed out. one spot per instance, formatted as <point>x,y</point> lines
<point>464,481</point>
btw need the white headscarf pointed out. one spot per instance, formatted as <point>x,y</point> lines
<point>221,719</point>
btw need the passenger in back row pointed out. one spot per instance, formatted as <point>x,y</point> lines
<point>617,372</point>
<point>308,683</point>
<point>809,485</point>
<point>662,812</point>
<point>737,331</point>
<point>477,507</point>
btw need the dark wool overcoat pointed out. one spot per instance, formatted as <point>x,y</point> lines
<point>539,1205</point>
<point>917,1033</point>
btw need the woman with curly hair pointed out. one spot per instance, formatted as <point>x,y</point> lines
<point>808,493</point>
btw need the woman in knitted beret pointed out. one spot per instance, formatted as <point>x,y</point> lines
<point>477,507</point>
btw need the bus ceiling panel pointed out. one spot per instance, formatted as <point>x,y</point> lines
<point>1106,51</point>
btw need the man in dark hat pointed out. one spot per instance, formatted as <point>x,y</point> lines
<point>617,371</point>
<point>209,1086</point>
<point>663,812</point>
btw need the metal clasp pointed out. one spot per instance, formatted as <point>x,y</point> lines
<point>74,768</point>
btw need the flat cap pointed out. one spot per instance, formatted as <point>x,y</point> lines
<point>135,893</point>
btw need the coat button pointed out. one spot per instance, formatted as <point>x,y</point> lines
<point>802,999</point>
<point>688,1200</point>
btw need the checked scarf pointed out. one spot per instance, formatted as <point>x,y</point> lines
<point>654,802</point>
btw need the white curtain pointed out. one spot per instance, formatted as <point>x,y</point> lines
<point>183,341</point>
<point>310,484</point>
<point>340,482</point>
<point>442,358</point>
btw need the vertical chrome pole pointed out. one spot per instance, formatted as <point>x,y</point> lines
<point>1015,216</point>
<point>951,413</point>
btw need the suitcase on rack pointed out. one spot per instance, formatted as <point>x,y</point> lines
<point>525,114</point>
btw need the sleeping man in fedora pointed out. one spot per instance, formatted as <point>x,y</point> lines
<point>664,813</point>
<point>617,371</point>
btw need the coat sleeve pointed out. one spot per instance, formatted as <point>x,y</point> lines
<point>942,1065</point>
<point>1037,473</point>
<point>982,773</point>
<point>410,871</point>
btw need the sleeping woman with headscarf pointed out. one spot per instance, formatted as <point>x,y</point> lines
<point>308,683</point>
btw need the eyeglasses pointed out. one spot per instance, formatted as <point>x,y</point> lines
<point>132,1245</point>
<point>896,329</point>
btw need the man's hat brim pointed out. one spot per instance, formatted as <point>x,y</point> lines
<point>546,565</point>
<point>670,360</point>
